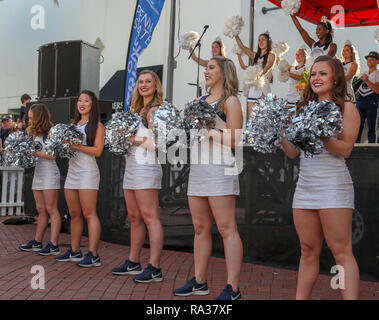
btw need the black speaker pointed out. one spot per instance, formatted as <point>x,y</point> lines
<point>66,68</point>
<point>62,110</point>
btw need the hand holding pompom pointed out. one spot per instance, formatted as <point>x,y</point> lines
<point>290,7</point>
<point>233,26</point>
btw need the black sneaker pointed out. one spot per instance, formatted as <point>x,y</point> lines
<point>49,250</point>
<point>90,261</point>
<point>128,268</point>
<point>70,256</point>
<point>32,245</point>
<point>150,274</point>
<point>192,288</point>
<point>229,294</point>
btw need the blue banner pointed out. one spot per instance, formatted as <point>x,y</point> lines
<point>146,18</point>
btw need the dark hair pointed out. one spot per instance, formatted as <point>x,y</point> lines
<point>329,36</point>
<point>94,117</point>
<point>25,97</point>
<point>339,90</point>
<point>255,61</point>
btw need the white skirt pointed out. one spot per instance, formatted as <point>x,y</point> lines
<point>324,183</point>
<point>46,176</point>
<point>139,175</point>
<point>207,180</point>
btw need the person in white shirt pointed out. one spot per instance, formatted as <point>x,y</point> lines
<point>350,62</point>
<point>296,74</point>
<point>368,97</point>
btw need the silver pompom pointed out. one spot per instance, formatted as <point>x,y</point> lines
<point>167,124</point>
<point>61,136</point>
<point>377,35</point>
<point>269,116</point>
<point>19,151</point>
<point>199,115</point>
<point>119,129</point>
<point>318,120</point>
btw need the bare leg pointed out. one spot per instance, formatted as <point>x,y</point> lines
<point>43,218</point>
<point>308,228</point>
<point>223,209</point>
<point>51,204</point>
<point>88,201</point>
<point>137,226</point>
<point>337,227</point>
<point>202,221</point>
<point>148,205</point>
<point>76,226</point>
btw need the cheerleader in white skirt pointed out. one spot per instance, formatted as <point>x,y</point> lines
<point>142,180</point>
<point>350,61</point>
<point>265,58</point>
<point>296,74</point>
<point>45,185</point>
<point>82,181</point>
<point>213,186</point>
<point>324,197</point>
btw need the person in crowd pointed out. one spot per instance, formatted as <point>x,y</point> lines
<point>368,97</point>
<point>45,185</point>
<point>25,98</point>
<point>82,181</point>
<point>324,33</point>
<point>350,60</point>
<point>7,128</point>
<point>265,58</point>
<point>211,189</point>
<point>323,202</point>
<point>142,180</point>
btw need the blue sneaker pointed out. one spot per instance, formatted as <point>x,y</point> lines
<point>90,261</point>
<point>49,250</point>
<point>32,245</point>
<point>128,268</point>
<point>229,294</point>
<point>70,256</point>
<point>192,288</point>
<point>150,274</point>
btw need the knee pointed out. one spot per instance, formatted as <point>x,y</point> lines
<point>135,217</point>
<point>51,210</point>
<point>41,211</point>
<point>150,217</point>
<point>89,213</point>
<point>75,214</point>
<point>310,251</point>
<point>202,229</point>
<point>226,231</point>
<point>341,251</point>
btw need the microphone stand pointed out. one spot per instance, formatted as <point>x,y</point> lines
<point>198,45</point>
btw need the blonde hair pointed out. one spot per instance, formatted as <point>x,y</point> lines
<point>137,99</point>
<point>354,57</point>
<point>40,122</point>
<point>230,80</point>
<point>305,53</point>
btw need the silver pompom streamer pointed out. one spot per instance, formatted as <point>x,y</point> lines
<point>167,125</point>
<point>119,129</point>
<point>266,121</point>
<point>199,115</point>
<point>19,151</point>
<point>318,120</point>
<point>61,136</point>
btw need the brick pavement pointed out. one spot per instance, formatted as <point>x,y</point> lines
<point>66,281</point>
